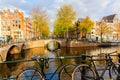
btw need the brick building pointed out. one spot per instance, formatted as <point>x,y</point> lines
<point>113,22</point>
<point>29,31</point>
<point>12,24</point>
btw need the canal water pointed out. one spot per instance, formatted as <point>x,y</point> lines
<point>14,69</point>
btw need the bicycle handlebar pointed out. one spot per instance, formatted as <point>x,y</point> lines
<point>71,57</point>
<point>103,54</point>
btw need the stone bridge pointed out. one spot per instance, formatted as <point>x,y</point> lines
<point>17,48</point>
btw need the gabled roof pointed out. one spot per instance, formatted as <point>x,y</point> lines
<point>109,18</point>
<point>80,19</point>
<point>1,12</point>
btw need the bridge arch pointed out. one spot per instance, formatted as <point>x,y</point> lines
<point>14,49</point>
<point>48,41</point>
<point>55,45</point>
<point>23,47</point>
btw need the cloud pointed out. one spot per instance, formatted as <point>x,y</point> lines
<point>22,5</point>
<point>93,8</point>
<point>96,9</point>
<point>82,7</point>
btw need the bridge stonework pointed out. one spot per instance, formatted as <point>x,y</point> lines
<point>18,47</point>
<point>11,48</point>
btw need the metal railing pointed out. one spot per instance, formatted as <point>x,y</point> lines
<point>83,57</point>
<point>61,57</point>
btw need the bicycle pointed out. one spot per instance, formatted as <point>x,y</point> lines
<point>33,73</point>
<point>90,72</point>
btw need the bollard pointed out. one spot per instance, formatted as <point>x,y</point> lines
<point>119,57</point>
<point>83,58</point>
<point>83,68</point>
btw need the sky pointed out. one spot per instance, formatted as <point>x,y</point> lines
<point>96,9</point>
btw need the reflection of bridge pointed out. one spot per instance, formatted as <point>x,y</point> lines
<point>17,48</point>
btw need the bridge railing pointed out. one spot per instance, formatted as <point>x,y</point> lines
<point>6,43</point>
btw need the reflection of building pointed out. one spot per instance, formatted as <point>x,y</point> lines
<point>12,24</point>
<point>29,31</point>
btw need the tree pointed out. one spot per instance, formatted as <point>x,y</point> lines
<point>85,26</point>
<point>77,25</point>
<point>40,22</point>
<point>64,20</point>
<point>102,29</point>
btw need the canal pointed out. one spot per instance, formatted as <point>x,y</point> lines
<point>13,69</point>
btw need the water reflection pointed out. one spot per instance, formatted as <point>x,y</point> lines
<point>53,46</point>
<point>7,70</point>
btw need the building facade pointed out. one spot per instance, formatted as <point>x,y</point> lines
<point>29,31</point>
<point>12,25</point>
<point>113,23</point>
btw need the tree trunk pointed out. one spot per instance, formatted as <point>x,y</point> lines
<point>101,39</point>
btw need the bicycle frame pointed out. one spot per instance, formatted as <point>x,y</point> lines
<point>42,64</point>
<point>109,64</point>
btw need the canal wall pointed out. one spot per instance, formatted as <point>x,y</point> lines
<point>81,44</point>
<point>63,43</point>
<point>88,44</point>
<point>18,47</point>
<point>41,43</point>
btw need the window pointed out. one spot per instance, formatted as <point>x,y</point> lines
<point>16,21</point>
<point>19,26</point>
<point>4,28</point>
<point>16,15</point>
<point>8,28</point>
<point>8,21</point>
<point>3,22</point>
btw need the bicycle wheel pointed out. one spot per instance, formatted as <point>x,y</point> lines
<point>83,72</point>
<point>66,72</point>
<point>30,74</point>
<point>115,72</point>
